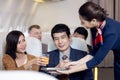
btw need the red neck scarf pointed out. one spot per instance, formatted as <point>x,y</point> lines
<point>99,38</point>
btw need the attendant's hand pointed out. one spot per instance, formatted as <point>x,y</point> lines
<point>63,72</point>
<point>69,64</point>
<point>62,64</point>
<point>68,70</point>
<point>74,68</point>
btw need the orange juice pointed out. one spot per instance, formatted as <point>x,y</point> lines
<point>46,59</point>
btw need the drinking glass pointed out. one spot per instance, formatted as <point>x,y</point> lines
<point>45,57</point>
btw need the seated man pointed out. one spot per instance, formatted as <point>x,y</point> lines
<point>35,31</point>
<point>81,32</point>
<point>64,53</point>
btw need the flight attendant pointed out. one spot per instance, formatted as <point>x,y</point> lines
<point>105,35</point>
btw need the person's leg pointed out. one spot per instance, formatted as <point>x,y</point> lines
<point>116,65</point>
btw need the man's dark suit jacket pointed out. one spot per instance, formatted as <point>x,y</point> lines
<point>74,56</point>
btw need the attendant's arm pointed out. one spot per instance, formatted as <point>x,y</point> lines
<point>88,61</point>
<point>79,62</point>
<point>77,66</point>
<point>74,69</point>
<point>84,59</point>
<point>109,41</point>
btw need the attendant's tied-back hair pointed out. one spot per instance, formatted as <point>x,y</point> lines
<point>90,11</point>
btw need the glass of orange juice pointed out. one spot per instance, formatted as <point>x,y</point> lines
<point>45,57</point>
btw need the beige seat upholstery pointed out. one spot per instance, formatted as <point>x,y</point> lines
<point>2,47</point>
<point>34,46</point>
<point>108,61</point>
<point>79,43</point>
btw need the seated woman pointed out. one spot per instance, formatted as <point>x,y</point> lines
<point>16,57</point>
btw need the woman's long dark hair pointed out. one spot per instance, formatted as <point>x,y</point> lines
<point>90,10</point>
<point>11,42</point>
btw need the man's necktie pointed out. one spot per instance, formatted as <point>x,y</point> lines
<point>64,57</point>
<point>98,38</point>
<point>64,76</point>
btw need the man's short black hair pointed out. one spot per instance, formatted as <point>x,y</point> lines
<point>82,31</point>
<point>58,28</point>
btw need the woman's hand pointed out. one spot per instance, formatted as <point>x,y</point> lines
<point>36,61</point>
<point>39,61</point>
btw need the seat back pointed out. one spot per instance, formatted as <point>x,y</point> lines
<point>34,46</point>
<point>79,43</point>
<point>2,47</point>
<point>76,43</point>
